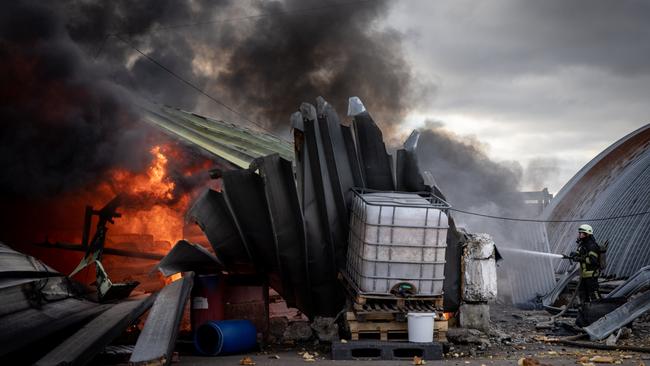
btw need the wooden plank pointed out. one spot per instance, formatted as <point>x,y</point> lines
<point>81,347</point>
<point>441,325</point>
<point>156,342</point>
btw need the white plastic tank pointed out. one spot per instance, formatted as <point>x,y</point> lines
<point>396,239</point>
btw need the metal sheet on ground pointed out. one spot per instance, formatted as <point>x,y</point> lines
<point>186,256</point>
<point>28,326</point>
<point>14,264</point>
<point>288,227</point>
<point>211,213</point>
<point>81,347</point>
<point>618,318</point>
<point>24,293</point>
<point>637,282</point>
<point>158,337</point>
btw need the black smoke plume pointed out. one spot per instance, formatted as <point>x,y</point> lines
<point>70,74</point>
<point>62,122</point>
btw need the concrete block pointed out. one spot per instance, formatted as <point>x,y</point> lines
<point>475,316</point>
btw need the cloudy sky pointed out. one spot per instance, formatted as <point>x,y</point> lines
<point>552,82</point>
<point>539,86</point>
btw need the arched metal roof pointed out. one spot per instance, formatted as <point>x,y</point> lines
<point>614,183</point>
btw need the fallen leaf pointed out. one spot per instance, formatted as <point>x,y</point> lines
<point>308,357</point>
<point>529,361</point>
<point>602,359</point>
<point>418,361</point>
<point>246,361</point>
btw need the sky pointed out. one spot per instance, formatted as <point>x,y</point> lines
<point>548,83</point>
<point>538,87</point>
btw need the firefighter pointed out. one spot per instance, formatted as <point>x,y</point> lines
<point>588,255</point>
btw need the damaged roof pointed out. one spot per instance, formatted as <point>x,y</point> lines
<point>238,145</point>
<point>615,183</point>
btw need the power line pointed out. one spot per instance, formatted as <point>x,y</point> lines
<point>549,221</point>
<point>191,85</point>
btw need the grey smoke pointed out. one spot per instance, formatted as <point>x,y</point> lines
<point>67,98</point>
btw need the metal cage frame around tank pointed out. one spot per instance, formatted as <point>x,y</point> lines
<point>353,267</point>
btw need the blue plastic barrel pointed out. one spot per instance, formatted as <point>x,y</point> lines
<point>223,337</point>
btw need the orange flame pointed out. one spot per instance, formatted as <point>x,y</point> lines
<point>151,206</point>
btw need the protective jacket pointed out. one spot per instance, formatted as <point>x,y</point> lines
<point>588,255</point>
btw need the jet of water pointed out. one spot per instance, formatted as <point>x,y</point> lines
<point>530,252</point>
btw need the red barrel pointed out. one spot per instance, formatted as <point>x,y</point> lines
<point>207,299</point>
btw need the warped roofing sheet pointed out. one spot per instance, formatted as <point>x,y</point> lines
<point>614,183</point>
<point>236,144</point>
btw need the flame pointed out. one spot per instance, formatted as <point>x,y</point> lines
<point>175,277</point>
<point>152,205</point>
<point>153,184</point>
<point>447,316</point>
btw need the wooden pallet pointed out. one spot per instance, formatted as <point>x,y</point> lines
<point>381,302</point>
<point>372,326</point>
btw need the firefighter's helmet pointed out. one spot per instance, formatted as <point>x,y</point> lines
<point>587,229</point>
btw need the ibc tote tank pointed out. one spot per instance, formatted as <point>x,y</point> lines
<point>397,238</point>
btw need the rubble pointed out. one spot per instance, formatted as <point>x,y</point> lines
<point>467,336</point>
<point>325,329</point>
<point>277,327</point>
<point>476,316</point>
<point>299,331</point>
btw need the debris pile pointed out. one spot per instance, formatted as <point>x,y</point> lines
<point>295,231</point>
<point>40,305</point>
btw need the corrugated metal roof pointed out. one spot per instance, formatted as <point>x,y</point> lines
<point>614,183</point>
<point>236,144</point>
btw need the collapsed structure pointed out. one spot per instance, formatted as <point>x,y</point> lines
<point>296,232</point>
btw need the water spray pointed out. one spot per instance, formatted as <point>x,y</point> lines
<point>532,252</point>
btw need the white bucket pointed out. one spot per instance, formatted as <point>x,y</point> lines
<point>420,327</point>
